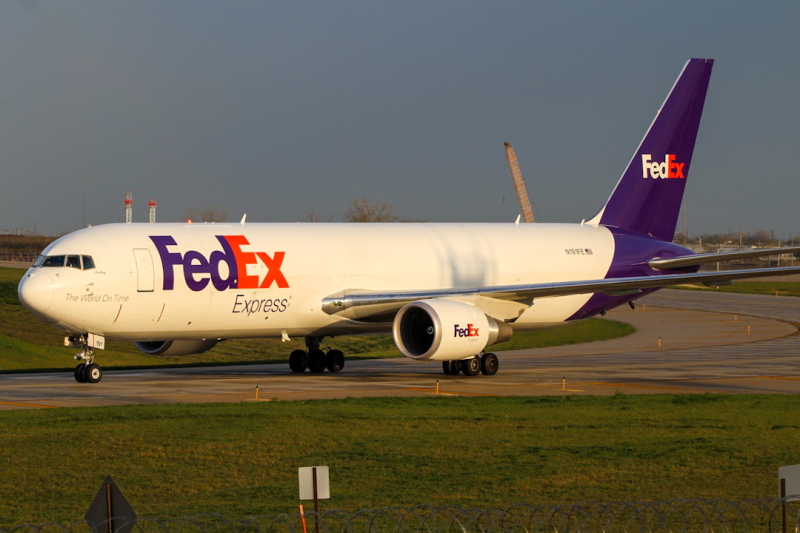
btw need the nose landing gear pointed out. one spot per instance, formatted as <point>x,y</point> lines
<point>87,371</point>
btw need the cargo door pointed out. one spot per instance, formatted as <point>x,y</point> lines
<point>144,270</point>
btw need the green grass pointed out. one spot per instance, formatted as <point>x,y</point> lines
<point>242,459</point>
<point>28,344</point>
<point>782,288</point>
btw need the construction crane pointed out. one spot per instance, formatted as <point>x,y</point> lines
<point>519,185</point>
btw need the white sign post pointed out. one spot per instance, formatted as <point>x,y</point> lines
<point>788,487</point>
<point>314,485</point>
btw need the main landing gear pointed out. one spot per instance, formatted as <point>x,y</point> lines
<point>315,359</point>
<point>88,371</point>
<point>484,363</point>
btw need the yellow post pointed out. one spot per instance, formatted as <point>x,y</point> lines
<point>564,383</point>
<point>256,392</point>
<point>748,329</point>
<point>659,342</point>
<point>437,386</point>
<point>736,318</point>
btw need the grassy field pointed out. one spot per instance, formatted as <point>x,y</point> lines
<point>28,344</point>
<point>242,459</point>
<point>782,288</point>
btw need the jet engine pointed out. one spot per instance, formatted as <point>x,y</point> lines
<point>176,347</point>
<point>445,330</point>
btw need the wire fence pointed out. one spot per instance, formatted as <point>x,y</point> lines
<point>18,258</point>
<point>684,516</point>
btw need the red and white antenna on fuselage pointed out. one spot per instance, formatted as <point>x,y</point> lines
<point>152,205</point>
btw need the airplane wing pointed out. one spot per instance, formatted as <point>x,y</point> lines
<point>691,260</point>
<point>359,304</point>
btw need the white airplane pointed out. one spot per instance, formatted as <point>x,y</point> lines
<point>445,291</point>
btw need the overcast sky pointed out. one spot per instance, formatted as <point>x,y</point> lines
<point>277,109</point>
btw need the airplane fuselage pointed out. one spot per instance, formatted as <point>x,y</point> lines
<point>227,281</point>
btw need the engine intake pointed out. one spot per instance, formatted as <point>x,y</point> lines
<point>445,330</point>
<point>176,347</point>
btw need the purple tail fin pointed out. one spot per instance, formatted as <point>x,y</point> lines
<point>647,198</point>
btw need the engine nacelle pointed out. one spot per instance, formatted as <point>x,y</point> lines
<point>445,330</point>
<point>176,347</point>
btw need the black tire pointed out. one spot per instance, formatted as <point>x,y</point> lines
<point>450,368</point>
<point>298,361</point>
<point>489,364</point>
<point>93,373</point>
<point>471,367</point>
<point>316,361</point>
<point>79,375</point>
<point>334,361</point>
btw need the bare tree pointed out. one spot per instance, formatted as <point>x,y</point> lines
<point>313,216</point>
<point>207,213</point>
<point>365,210</point>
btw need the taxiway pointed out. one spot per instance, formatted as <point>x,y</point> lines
<point>709,342</point>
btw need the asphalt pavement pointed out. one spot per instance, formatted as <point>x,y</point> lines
<point>710,342</point>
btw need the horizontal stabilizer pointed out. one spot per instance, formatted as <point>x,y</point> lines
<point>691,260</point>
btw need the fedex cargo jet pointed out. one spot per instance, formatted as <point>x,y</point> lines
<point>445,291</point>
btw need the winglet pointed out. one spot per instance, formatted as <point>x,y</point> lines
<point>244,217</point>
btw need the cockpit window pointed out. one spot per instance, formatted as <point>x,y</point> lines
<point>72,261</point>
<point>54,261</point>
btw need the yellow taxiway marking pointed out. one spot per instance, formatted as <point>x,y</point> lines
<point>29,405</point>
<point>625,385</point>
<point>453,393</point>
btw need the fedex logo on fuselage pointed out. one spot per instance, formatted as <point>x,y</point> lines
<point>661,169</point>
<point>468,331</point>
<point>199,271</point>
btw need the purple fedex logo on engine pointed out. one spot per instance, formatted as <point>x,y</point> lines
<point>469,331</point>
<point>198,270</point>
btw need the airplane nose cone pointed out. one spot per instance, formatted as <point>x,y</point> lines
<point>35,292</point>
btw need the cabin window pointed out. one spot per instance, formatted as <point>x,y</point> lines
<point>54,261</point>
<point>88,263</point>
<point>74,261</point>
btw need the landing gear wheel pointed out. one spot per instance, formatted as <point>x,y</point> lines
<point>450,368</point>
<point>298,361</point>
<point>489,364</point>
<point>471,367</point>
<point>93,373</point>
<point>80,377</point>
<point>316,361</point>
<point>334,361</point>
